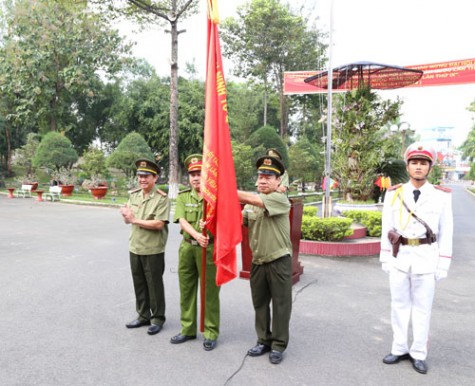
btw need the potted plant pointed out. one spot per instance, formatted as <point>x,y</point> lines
<point>64,179</point>
<point>97,186</point>
<point>29,179</point>
<point>94,166</point>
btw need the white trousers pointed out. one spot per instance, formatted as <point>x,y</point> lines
<point>411,298</point>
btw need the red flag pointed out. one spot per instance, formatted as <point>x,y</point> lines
<point>218,178</point>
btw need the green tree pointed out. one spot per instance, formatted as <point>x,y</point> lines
<point>143,107</point>
<point>265,138</point>
<point>468,146</point>
<point>304,162</point>
<point>267,38</point>
<point>53,53</point>
<point>24,156</point>
<point>130,149</point>
<point>435,175</point>
<point>55,151</point>
<point>358,140</point>
<point>245,109</point>
<point>243,156</point>
<point>94,163</point>
<point>162,12</point>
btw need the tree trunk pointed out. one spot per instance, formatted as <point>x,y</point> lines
<point>53,124</point>
<point>265,103</point>
<point>173,150</point>
<point>284,117</point>
<point>8,139</point>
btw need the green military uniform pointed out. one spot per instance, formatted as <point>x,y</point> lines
<point>271,271</point>
<point>284,180</point>
<point>147,255</point>
<point>189,205</point>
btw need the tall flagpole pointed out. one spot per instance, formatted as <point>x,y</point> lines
<point>327,202</point>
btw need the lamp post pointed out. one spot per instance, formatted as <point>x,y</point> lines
<point>403,128</point>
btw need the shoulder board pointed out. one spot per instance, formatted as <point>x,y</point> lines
<point>185,191</point>
<point>162,192</point>
<point>135,190</point>
<point>394,187</point>
<point>443,188</point>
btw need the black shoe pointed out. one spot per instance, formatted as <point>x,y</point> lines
<point>420,366</point>
<point>154,329</point>
<point>181,338</point>
<point>137,323</point>
<point>209,344</point>
<point>391,359</point>
<point>275,357</point>
<point>258,350</point>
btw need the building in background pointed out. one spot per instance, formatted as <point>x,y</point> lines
<point>450,159</point>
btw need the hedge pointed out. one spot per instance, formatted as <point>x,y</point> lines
<point>326,229</point>
<point>370,219</point>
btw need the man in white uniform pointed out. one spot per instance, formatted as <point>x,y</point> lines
<point>424,253</point>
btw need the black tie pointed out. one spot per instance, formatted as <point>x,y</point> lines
<point>417,193</point>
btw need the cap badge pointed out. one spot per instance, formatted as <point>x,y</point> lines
<point>143,164</point>
<point>194,160</point>
<point>267,162</point>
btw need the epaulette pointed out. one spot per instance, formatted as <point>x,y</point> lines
<point>162,192</point>
<point>443,188</point>
<point>394,187</point>
<point>185,191</point>
<point>135,190</point>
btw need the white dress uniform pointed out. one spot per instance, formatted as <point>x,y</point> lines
<point>414,271</point>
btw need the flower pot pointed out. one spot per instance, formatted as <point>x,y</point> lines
<point>340,207</point>
<point>99,192</point>
<point>67,190</point>
<point>34,185</point>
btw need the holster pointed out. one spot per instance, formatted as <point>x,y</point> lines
<point>395,240</point>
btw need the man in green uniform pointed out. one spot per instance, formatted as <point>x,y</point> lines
<point>266,214</point>
<point>188,213</point>
<point>147,211</point>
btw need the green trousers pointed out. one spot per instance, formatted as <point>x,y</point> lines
<point>189,273</point>
<point>272,282</point>
<point>147,275</point>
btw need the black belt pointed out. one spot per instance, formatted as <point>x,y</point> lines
<point>195,243</point>
<point>416,242</point>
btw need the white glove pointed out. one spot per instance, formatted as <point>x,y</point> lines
<point>440,274</point>
<point>385,267</point>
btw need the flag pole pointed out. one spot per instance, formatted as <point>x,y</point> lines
<point>203,274</point>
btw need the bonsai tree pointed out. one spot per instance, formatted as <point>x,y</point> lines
<point>55,151</point>
<point>24,155</point>
<point>131,148</point>
<point>358,140</point>
<point>94,167</point>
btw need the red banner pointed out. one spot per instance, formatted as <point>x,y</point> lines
<point>435,74</point>
<point>218,178</point>
<point>446,73</point>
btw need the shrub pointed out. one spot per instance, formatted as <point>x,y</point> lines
<point>325,229</point>
<point>355,215</point>
<point>129,150</point>
<point>370,219</point>
<point>310,211</point>
<point>54,152</point>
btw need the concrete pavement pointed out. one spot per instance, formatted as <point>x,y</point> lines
<point>66,293</point>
